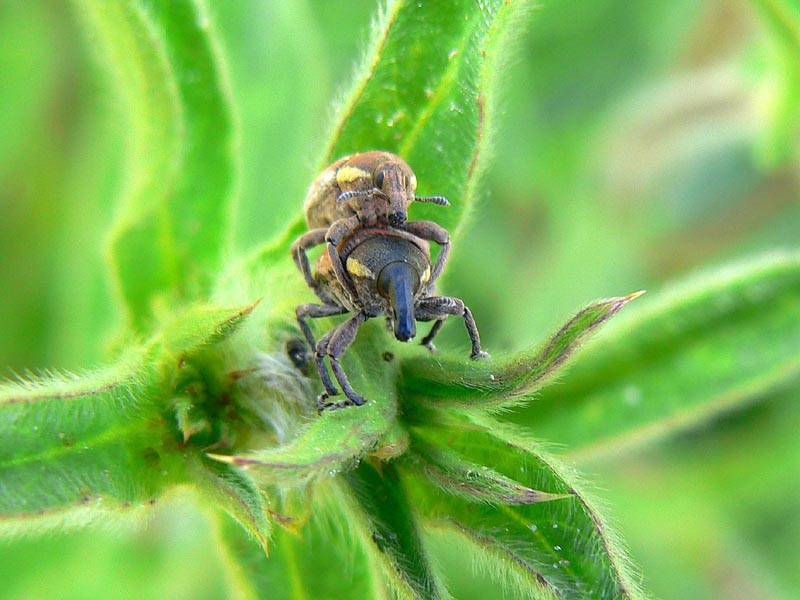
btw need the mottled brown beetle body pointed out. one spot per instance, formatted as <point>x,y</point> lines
<point>375,262</point>
<point>359,175</point>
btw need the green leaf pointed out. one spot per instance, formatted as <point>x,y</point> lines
<point>336,439</point>
<point>324,560</point>
<point>426,91</point>
<point>171,225</point>
<point>200,325</point>
<point>782,21</point>
<point>484,384</point>
<point>563,545</point>
<point>703,348</point>
<point>75,448</point>
<point>472,481</point>
<point>237,494</point>
<point>385,520</point>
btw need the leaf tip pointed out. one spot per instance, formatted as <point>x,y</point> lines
<point>223,458</point>
<point>251,307</point>
<point>619,302</point>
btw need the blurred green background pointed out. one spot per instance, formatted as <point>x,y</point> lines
<point>635,142</point>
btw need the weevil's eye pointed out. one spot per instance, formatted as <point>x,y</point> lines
<point>379,179</point>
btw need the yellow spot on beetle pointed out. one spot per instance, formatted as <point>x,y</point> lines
<point>359,269</point>
<point>426,275</point>
<point>349,174</point>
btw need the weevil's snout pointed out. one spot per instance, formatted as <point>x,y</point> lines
<point>398,282</point>
<point>391,179</point>
<point>397,217</point>
<point>405,330</point>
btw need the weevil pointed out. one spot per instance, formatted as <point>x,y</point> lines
<point>375,263</point>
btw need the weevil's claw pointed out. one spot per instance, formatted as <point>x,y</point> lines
<point>481,356</point>
<point>429,345</point>
<point>322,405</point>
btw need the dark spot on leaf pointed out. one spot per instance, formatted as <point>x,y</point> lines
<point>387,356</point>
<point>379,541</point>
<point>152,501</point>
<point>298,353</point>
<point>151,456</point>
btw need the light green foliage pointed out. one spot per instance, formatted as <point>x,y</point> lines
<point>782,17</point>
<point>629,151</point>
<point>721,341</point>
<point>482,384</point>
<point>171,223</point>
<point>76,446</point>
<point>558,540</point>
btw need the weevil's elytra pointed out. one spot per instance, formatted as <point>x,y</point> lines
<point>375,261</point>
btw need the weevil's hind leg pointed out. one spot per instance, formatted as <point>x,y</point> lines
<point>315,311</point>
<point>312,238</point>
<point>433,232</point>
<point>339,341</point>
<point>439,308</point>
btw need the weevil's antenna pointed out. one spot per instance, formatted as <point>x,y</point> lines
<point>345,196</point>
<point>440,200</point>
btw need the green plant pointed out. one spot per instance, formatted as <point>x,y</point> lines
<point>201,394</point>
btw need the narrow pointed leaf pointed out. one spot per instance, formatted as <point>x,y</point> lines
<point>323,560</point>
<point>704,348</point>
<point>164,66</point>
<point>472,481</point>
<point>443,381</point>
<point>386,522</point>
<point>237,495</point>
<point>75,447</point>
<point>332,443</point>
<point>201,325</point>
<point>563,544</point>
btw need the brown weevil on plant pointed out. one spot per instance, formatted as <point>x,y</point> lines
<point>376,262</point>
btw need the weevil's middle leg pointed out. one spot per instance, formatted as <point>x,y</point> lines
<point>439,308</point>
<point>315,311</point>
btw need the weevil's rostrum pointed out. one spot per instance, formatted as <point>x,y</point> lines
<point>375,263</point>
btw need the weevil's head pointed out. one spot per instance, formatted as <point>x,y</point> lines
<point>395,179</point>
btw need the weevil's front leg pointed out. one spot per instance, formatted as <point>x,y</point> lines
<point>428,230</point>
<point>439,308</point>
<point>427,341</point>
<point>312,238</point>
<point>315,311</point>
<point>334,235</point>
<point>338,343</point>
